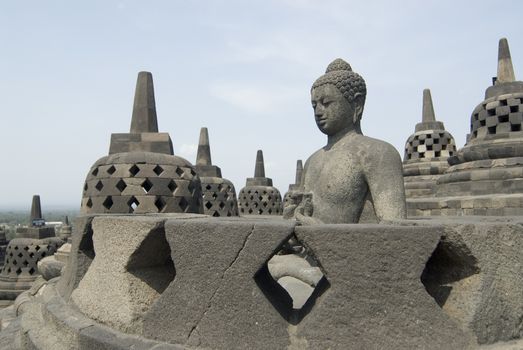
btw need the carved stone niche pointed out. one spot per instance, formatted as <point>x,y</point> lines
<point>206,282</point>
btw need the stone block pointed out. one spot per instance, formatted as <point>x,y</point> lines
<point>475,276</point>
<point>371,305</point>
<point>80,258</point>
<point>134,265</point>
<point>219,304</point>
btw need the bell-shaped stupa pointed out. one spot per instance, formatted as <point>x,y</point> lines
<point>485,175</point>
<point>259,197</point>
<point>30,245</point>
<point>426,153</point>
<point>141,175</point>
<point>219,195</point>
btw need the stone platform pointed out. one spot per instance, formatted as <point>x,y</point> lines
<point>187,281</point>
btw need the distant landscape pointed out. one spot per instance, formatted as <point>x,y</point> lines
<point>9,219</point>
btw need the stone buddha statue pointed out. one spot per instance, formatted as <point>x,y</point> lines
<point>352,169</point>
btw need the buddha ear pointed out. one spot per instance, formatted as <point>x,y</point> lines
<point>358,107</point>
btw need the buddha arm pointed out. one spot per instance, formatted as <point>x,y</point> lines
<point>385,181</point>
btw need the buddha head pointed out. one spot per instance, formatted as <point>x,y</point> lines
<point>338,98</point>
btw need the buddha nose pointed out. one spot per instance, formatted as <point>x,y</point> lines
<point>318,110</point>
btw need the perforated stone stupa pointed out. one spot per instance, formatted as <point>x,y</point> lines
<point>485,177</point>
<point>141,174</point>
<point>219,194</point>
<point>37,228</point>
<point>259,197</point>
<point>23,252</point>
<point>426,153</point>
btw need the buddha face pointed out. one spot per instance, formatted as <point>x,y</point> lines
<point>332,111</point>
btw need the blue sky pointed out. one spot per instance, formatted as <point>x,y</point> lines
<point>241,68</point>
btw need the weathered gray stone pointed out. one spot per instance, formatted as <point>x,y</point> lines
<point>49,267</point>
<point>36,210</point>
<point>259,197</point>
<point>218,302</point>
<point>144,109</point>
<point>340,177</point>
<point>219,194</point>
<point>134,265</point>
<point>426,153</point>
<point>81,257</point>
<point>475,276</point>
<point>142,182</point>
<point>375,299</point>
<point>490,162</point>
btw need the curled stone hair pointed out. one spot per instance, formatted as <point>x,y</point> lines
<point>339,73</point>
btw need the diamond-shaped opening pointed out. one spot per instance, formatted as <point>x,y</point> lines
<point>95,171</point>
<point>159,203</point>
<point>158,170</point>
<point>89,203</point>
<point>208,187</point>
<point>292,280</point>
<point>172,186</point>
<point>15,263</point>
<point>31,255</point>
<point>183,204</point>
<point>179,171</point>
<point>111,170</point>
<point>85,187</point>
<point>451,269</point>
<point>37,248</point>
<point>121,185</point>
<point>134,170</point>
<point>19,271</point>
<point>147,185</point>
<point>99,185</point>
<point>26,248</point>
<point>31,270</point>
<point>208,205</point>
<point>20,254</point>
<point>133,203</point>
<point>214,195</point>
<point>25,262</point>
<point>216,214</point>
<point>108,202</point>
<point>221,205</point>
<point>151,262</point>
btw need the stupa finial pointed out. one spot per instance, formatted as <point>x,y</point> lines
<point>203,156</point>
<point>299,171</point>
<point>36,209</point>
<point>144,108</point>
<point>259,170</point>
<point>505,68</point>
<point>428,109</point>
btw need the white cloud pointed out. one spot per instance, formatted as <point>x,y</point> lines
<point>256,99</point>
<point>188,151</point>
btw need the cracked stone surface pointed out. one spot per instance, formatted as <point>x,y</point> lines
<point>376,299</point>
<point>214,301</point>
<point>109,293</point>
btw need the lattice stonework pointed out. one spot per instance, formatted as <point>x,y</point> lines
<point>430,145</point>
<point>260,200</point>
<point>23,254</point>
<point>126,183</point>
<point>497,115</point>
<point>219,197</point>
